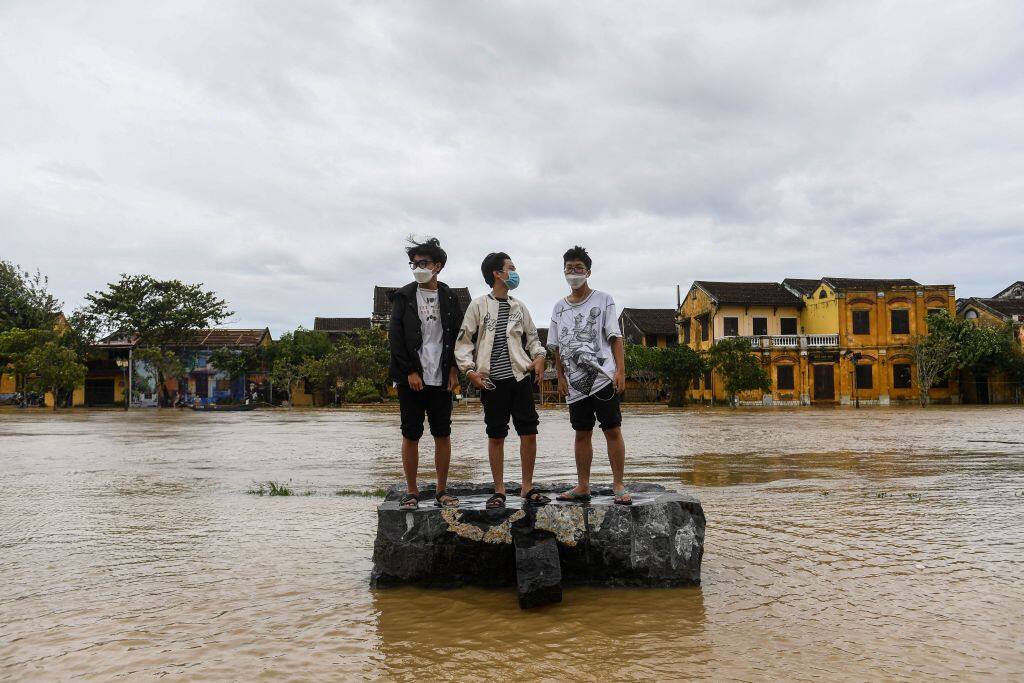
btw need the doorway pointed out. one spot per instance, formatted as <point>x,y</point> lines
<point>981,389</point>
<point>99,392</point>
<point>824,383</point>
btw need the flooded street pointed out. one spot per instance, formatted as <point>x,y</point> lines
<point>841,544</point>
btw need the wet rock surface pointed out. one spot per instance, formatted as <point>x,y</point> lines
<point>657,541</point>
<point>538,569</point>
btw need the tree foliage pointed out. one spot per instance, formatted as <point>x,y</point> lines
<point>739,369</point>
<point>16,345</point>
<point>678,367</point>
<point>25,300</point>
<point>155,312</point>
<point>236,363</point>
<point>54,368</point>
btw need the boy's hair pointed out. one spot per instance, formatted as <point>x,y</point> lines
<point>430,246</point>
<point>492,262</point>
<point>577,253</point>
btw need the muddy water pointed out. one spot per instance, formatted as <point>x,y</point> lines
<point>841,544</point>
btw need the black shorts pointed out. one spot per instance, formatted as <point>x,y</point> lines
<point>510,398</point>
<point>603,406</point>
<point>434,402</point>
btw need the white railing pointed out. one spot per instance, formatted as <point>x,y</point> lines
<point>790,341</point>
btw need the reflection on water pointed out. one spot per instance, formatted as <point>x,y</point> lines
<point>841,544</point>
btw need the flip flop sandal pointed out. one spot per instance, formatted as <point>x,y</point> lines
<point>620,498</point>
<point>496,502</point>
<point>411,501</point>
<point>574,497</point>
<point>453,502</point>
<point>535,497</point>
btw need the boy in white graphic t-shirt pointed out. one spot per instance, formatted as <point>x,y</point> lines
<point>584,335</point>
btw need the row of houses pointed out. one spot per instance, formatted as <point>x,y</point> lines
<point>828,340</point>
<point>113,373</point>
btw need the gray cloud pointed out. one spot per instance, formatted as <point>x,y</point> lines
<point>280,154</point>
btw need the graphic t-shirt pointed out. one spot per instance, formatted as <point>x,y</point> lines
<point>433,336</point>
<point>501,365</point>
<point>582,333</point>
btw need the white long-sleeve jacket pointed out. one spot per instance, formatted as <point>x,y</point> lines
<point>476,337</point>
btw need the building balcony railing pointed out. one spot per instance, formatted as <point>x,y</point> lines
<point>791,341</point>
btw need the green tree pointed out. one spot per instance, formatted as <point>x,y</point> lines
<point>16,345</point>
<point>155,313</point>
<point>285,374</point>
<point>25,300</point>
<point>365,356</point>
<point>642,365</point>
<point>235,363</point>
<point>317,372</point>
<point>739,369</point>
<point>54,368</point>
<point>678,367</point>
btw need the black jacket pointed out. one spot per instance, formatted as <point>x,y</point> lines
<point>406,336</point>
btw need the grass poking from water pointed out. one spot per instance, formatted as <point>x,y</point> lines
<point>271,488</point>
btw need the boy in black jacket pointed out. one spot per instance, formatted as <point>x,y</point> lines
<point>425,320</point>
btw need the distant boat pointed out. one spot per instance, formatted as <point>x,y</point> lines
<point>223,408</point>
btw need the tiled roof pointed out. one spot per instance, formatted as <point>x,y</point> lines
<point>229,338</point>
<point>652,320</point>
<point>382,299</point>
<point>1005,307</point>
<point>869,284</point>
<point>1014,291</point>
<point>749,293</point>
<point>341,324</point>
<point>805,286</point>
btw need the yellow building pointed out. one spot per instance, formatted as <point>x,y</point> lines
<point>830,340</point>
<point>877,322</point>
<point>769,316</point>
<point>1007,307</point>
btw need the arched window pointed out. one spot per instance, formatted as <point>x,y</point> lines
<point>822,294</point>
<point>971,314</point>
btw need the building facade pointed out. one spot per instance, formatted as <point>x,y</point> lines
<point>654,327</point>
<point>824,341</point>
<point>1005,308</point>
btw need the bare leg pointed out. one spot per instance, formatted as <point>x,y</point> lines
<point>616,456</point>
<point>496,455</point>
<point>584,450</point>
<point>442,459</point>
<point>410,463</point>
<point>527,456</point>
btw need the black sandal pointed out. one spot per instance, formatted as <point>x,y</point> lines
<point>535,497</point>
<point>411,501</point>
<point>453,502</point>
<point>495,502</point>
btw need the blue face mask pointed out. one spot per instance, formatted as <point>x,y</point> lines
<point>513,280</point>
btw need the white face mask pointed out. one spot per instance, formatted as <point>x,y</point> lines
<point>576,280</point>
<point>422,275</point>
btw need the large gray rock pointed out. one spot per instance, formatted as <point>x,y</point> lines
<point>657,541</point>
<point>538,568</point>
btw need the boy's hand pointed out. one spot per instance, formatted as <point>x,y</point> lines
<point>453,379</point>
<point>415,381</point>
<point>563,386</point>
<point>538,369</point>
<point>476,378</point>
<point>619,381</point>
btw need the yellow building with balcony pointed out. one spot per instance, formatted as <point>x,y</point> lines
<point>767,314</point>
<point>824,341</point>
<point>877,322</point>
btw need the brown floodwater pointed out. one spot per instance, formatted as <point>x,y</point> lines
<point>842,544</point>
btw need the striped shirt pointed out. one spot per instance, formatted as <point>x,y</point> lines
<point>501,366</point>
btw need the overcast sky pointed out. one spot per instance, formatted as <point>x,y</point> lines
<point>279,152</point>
